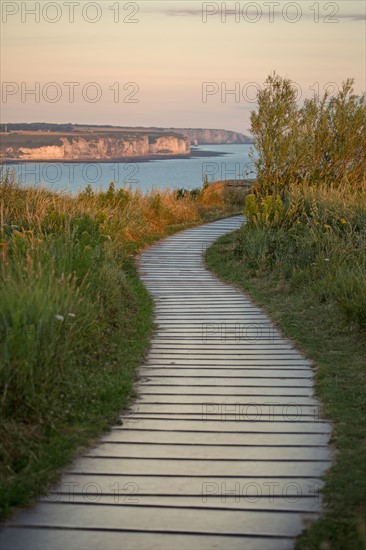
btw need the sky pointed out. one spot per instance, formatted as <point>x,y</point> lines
<point>171,63</point>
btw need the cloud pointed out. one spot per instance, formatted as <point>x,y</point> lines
<point>353,16</point>
<point>252,13</point>
<point>181,11</point>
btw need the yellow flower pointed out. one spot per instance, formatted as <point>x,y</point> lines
<point>327,226</point>
<point>343,221</point>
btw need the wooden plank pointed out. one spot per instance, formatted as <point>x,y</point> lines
<point>265,391</point>
<point>237,383</point>
<point>224,502</point>
<point>223,400</point>
<point>228,372</point>
<point>246,488</point>
<point>156,450</point>
<point>225,410</point>
<point>217,426</point>
<point>207,467</point>
<point>72,539</point>
<point>221,522</point>
<point>209,437</point>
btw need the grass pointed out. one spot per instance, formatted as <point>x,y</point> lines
<point>75,320</point>
<point>305,264</point>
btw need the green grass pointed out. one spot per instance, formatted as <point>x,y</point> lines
<point>323,331</point>
<point>83,401</point>
<point>84,376</point>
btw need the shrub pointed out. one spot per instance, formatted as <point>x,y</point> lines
<point>267,210</point>
<point>322,141</point>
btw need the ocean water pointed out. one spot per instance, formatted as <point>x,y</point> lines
<point>228,162</point>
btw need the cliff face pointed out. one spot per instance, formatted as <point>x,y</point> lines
<point>107,143</point>
<point>101,148</point>
<point>170,146</point>
<point>198,136</point>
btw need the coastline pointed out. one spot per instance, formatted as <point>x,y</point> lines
<point>126,160</point>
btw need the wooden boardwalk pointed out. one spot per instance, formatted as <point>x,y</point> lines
<point>223,448</point>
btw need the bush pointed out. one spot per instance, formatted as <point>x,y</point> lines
<point>268,210</point>
<point>322,141</point>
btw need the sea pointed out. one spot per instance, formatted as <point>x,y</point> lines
<point>207,163</point>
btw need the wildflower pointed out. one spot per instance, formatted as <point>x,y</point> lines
<point>71,315</point>
<point>343,221</point>
<point>327,226</point>
<point>326,259</point>
<point>59,317</point>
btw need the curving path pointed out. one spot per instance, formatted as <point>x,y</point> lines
<point>224,447</point>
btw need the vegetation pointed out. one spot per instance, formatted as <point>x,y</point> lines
<point>231,192</point>
<point>302,256</point>
<point>74,318</point>
<point>321,142</point>
<point>315,237</point>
